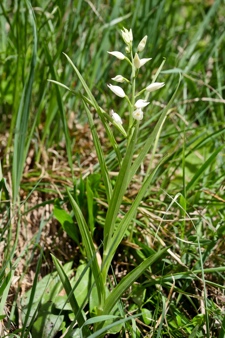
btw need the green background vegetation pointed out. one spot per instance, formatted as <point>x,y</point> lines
<point>46,147</point>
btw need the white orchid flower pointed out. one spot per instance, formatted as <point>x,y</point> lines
<point>119,78</point>
<point>118,55</point>
<point>138,114</point>
<point>154,86</point>
<point>141,104</point>
<point>142,44</point>
<point>117,90</point>
<point>116,117</point>
<point>138,63</point>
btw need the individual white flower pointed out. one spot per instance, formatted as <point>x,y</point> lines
<point>141,104</point>
<point>118,55</point>
<point>119,78</point>
<point>138,114</point>
<point>127,36</point>
<point>117,90</point>
<point>138,63</point>
<point>142,44</point>
<point>116,117</point>
<point>154,86</point>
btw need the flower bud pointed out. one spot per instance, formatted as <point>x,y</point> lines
<point>116,117</point>
<point>138,114</point>
<point>127,36</point>
<point>117,90</point>
<point>118,55</point>
<point>154,86</point>
<point>141,104</point>
<point>142,44</point>
<point>119,78</point>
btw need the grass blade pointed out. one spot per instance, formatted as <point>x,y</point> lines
<point>69,291</point>
<point>127,281</point>
<point>23,116</point>
<point>89,246</point>
<point>98,148</point>
<point>201,171</point>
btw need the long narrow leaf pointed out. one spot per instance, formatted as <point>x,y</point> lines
<point>69,291</point>
<point>98,109</point>
<point>152,137</point>
<point>123,225</point>
<point>122,182</point>
<point>98,148</point>
<point>22,119</point>
<point>61,111</point>
<point>89,246</point>
<point>127,281</point>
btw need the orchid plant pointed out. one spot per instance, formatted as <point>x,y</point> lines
<point>115,225</point>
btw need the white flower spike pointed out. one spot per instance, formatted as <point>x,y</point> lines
<point>142,43</point>
<point>138,63</point>
<point>118,55</point>
<point>154,86</point>
<point>138,114</point>
<point>117,90</point>
<point>141,104</point>
<point>116,117</point>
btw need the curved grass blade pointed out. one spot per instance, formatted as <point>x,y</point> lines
<point>122,182</point>
<point>89,246</point>
<point>127,281</point>
<point>69,291</point>
<point>22,118</point>
<point>201,171</point>
<point>99,332</point>
<point>98,148</point>
<point>97,108</point>
<point>61,111</point>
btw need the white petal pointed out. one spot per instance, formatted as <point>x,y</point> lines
<point>116,117</point>
<point>143,61</point>
<point>138,114</point>
<point>155,86</point>
<point>118,55</point>
<point>141,104</point>
<point>142,44</point>
<point>117,90</point>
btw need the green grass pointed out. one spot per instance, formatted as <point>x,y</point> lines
<point>166,277</point>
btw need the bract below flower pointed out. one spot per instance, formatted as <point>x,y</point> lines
<point>116,117</point>
<point>154,86</point>
<point>118,55</point>
<point>138,63</point>
<point>141,104</point>
<point>117,90</point>
<point>138,114</point>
